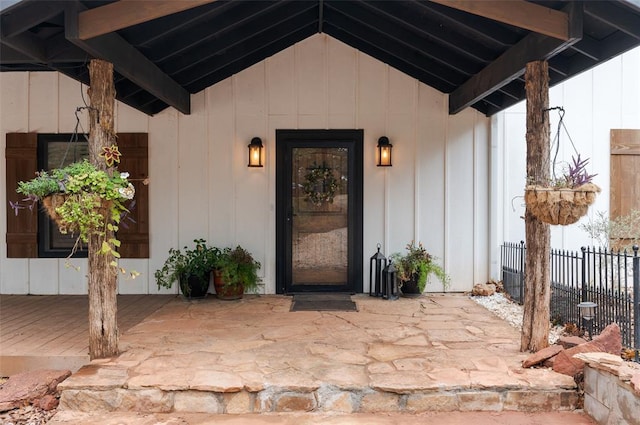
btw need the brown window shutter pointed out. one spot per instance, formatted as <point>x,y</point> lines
<point>135,160</point>
<point>22,164</point>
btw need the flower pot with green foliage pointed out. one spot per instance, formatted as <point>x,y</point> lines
<point>81,199</point>
<point>190,267</point>
<point>235,272</point>
<point>413,269</point>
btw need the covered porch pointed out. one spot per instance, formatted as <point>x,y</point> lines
<point>433,353</point>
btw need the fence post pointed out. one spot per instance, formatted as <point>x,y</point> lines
<point>636,302</point>
<point>583,278</point>
<point>522,258</point>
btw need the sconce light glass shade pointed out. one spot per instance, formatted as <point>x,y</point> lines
<point>384,152</point>
<point>255,152</point>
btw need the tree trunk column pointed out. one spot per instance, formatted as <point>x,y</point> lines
<point>103,322</point>
<point>535,326</point>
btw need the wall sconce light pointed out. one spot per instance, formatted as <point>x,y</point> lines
<point>384,152</point>
<point>255,152</point>
<point>587,311</point>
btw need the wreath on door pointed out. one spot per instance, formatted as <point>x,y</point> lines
<point>320,185</point>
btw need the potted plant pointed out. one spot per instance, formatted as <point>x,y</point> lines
<point>190,267</point>
<point>414,267</point>
<point>565,199</point>
<point>81,199</point>
<point>235,272</point>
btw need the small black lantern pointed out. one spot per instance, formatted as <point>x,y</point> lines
<point>384,152</point>
<point>255,152</point>
<point>389,287</point>
<point>377,264</point>
<point>587,311</point>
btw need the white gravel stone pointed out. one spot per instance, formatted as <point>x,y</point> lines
<point>511,312</point>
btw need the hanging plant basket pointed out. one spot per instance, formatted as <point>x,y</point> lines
<point>560,206</point>
<point>56,200</point>
<point>50,203</point>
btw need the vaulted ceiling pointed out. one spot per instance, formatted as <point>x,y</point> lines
<point>164,50</point>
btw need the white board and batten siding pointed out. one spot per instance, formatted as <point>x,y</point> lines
<point>436,192</point>
<point>596,101</point>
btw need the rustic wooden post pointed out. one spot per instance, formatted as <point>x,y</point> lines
<point>535,326</point>
<point>103,323</point>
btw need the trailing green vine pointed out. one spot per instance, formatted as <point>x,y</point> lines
<point>83,200</point>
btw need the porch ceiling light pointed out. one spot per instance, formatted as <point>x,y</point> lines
<point>384,152</point>
<point>255,152</point>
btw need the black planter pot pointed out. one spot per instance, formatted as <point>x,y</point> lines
<point>192,287</point>
<point>410,288</point>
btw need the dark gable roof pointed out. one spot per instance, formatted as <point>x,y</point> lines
<point>478,61</point>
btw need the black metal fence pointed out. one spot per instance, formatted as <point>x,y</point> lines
<point>611,279</point>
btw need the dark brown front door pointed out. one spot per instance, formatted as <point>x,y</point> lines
<point>319,210</point>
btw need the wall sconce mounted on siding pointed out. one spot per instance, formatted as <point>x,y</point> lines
<point>384,152</point>
<point>255,152</point>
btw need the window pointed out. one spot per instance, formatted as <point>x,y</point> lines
<point>56,151</point>
<point>27,236</point>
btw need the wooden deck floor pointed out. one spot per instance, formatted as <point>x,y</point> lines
<point>52,330</point>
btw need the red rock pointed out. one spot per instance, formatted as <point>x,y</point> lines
<point>484,289</point>
<point>571,341</point>
<point>635,383</point>
<point>542,355</point>
<point>48,402</point>
<point>23,388</point>
<point>609,341</point>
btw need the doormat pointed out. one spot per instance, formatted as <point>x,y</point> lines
<point>323,302</point>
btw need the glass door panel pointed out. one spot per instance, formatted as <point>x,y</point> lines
<point>320,212</point>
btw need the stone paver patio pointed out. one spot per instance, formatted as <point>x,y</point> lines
<point>434,353</point>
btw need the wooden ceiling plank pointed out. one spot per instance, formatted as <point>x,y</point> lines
<point>129,62</point>
<point>27,44</point>
<point>615,17</point>
<point>530,16</point>
<point>512,63</point>
<point>21,20</point>
<point>125,13</point>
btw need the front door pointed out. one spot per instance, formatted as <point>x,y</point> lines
<point>319,210</point>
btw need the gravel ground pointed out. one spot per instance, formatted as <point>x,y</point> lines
<point>511,312</point>
<point>28,415</point>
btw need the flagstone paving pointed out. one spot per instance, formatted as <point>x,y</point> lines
<point>439,352</point>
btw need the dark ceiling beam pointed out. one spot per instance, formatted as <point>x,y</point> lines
<point>242,62</point>
<point>23,19</point>
<point>27,44</point>
<point>10,56</point>
<point>201,42</point>
<point>190,76</point>
<point>519,13</point>
<point>125,13</point>
<point>410,15</point>
<point>614,16</point>
<point>512,63</point>
<point>401,34</point>
<point>392,47</point>
<point>485,31</point>
<point>588,47</point>
<point>165,28</point>
<point>129,62</point>
<point>374,51</point>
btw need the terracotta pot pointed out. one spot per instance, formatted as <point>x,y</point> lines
<point>226,292</point>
